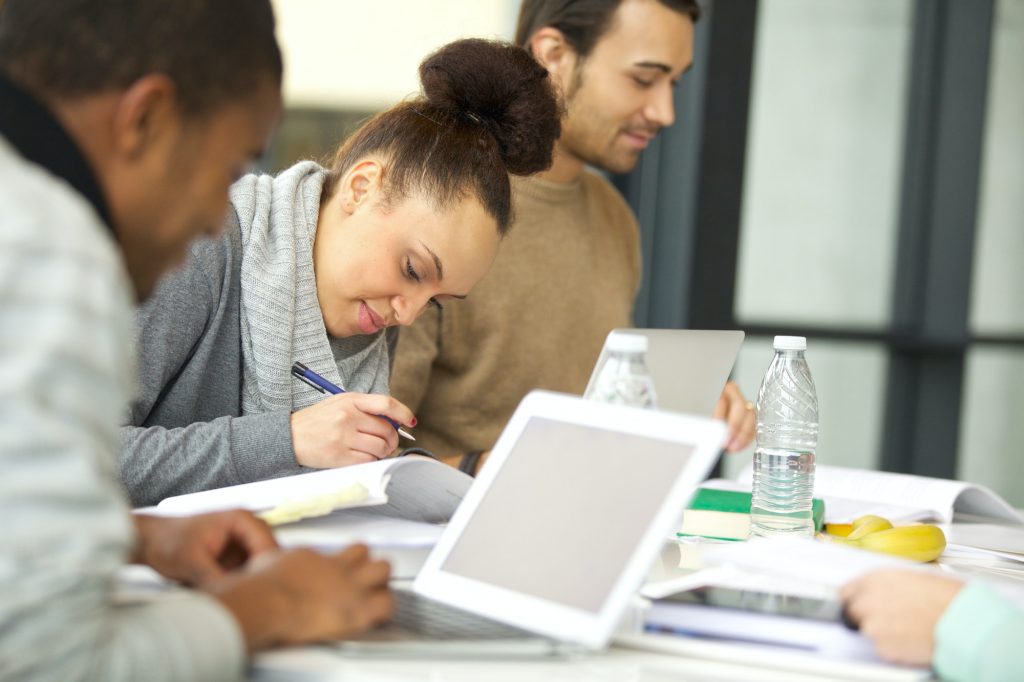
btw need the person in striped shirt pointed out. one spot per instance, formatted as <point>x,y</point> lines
<point>122,123</point>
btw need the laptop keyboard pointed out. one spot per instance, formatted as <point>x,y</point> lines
<point>434,620</point>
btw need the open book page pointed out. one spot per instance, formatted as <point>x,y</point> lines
<point>1007,541</point>
<point>849,493</point>
<point>414,488</point>
<point>422,489</point>
<point>837,509</point>
<point>350,526</point>
<point>814,562</point>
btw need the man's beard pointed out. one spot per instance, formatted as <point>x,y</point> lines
<point>600,153</point>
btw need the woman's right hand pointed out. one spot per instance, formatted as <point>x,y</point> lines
<point>302,596</point>
<point>347,429</point>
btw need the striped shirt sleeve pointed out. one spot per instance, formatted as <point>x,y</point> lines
<point>65,373</point>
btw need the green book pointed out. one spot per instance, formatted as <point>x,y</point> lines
<point>725,514</point>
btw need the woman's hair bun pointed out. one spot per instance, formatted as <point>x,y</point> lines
<point>502,87</point>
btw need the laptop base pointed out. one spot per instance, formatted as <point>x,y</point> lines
<point>425,628</point>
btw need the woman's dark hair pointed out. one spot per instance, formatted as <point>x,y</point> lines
<point>582,22</point>
<point>488,109</point>
<point>214,50</point>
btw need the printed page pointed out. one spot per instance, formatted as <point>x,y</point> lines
<point>845,510</point>
<point>817,563</point>
<point>979,502</point>
<point>837,509</point>
<point>899,497</point>
<point>415,488</point>
<point>423,489</point>
<point>1006,540</point>
<point>264,495</point>
<point>338,530</point>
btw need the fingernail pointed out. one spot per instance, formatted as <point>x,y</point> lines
<point>413,423</point>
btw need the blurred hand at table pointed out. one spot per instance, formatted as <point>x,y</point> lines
<point>197,550</point>
<point>898,611</point>
<point>739,415</point>
<point>302,596</point>
<point>347,429</point>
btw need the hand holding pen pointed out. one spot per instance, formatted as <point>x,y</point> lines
<point>305,374</point>
<point>345,428</point>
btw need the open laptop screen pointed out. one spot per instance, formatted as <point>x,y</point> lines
<point>567,511</point>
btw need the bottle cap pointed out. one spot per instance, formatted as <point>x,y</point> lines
<point>790,343</point>
<point>627,343</point>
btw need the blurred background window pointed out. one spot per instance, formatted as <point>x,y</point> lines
<point>990,449</point>
<point>821,201</point>
<point>346,60</point>
<point>854,172</point>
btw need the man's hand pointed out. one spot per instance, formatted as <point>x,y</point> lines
<point>198,550</point>
<point>347,429</point>
<point>303,596</point>
<point>898,611</point>
<point>739,415</point>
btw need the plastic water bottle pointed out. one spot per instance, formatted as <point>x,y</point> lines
<point>787,436</point>
<point>623,377</point>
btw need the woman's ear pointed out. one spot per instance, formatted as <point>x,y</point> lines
<point>549,47</point>
<point>360,184</point>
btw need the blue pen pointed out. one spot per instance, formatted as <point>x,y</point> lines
<point>303,373</point>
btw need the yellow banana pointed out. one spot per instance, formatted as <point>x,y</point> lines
<point>865,525</point>
<point>838,529</point>
<point>918,543</point>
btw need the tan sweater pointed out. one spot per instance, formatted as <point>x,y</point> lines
<point>566,274</point>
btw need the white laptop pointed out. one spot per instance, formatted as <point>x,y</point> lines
<point>689,366</point>
<point>556,535</point>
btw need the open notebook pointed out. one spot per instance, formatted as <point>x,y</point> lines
<point>849,493</point>
<point>415,488</point>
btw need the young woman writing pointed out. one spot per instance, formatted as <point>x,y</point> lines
<point>314,266</point>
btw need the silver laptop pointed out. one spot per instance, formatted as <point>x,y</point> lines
<point>689,366</point>
<point>547,549</point>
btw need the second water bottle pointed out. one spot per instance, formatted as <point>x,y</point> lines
<point>623,377</point>
<point>787,437</point>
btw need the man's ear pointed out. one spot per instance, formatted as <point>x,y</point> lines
<point>360,184</point>
<point>144,113</point>
<point>553,51</point>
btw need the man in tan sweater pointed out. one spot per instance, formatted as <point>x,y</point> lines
<point>569,269</point>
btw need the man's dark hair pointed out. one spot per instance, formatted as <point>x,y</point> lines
<point>213,50</point>
<point>582,22</point>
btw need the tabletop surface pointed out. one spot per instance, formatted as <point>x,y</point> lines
<point>615,665</point>
<point>690,660</point>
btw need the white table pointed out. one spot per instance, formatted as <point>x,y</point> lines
<point>703,660</point>
<point>615,665</point>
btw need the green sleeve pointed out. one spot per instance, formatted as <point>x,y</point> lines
<point>980,638</point>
